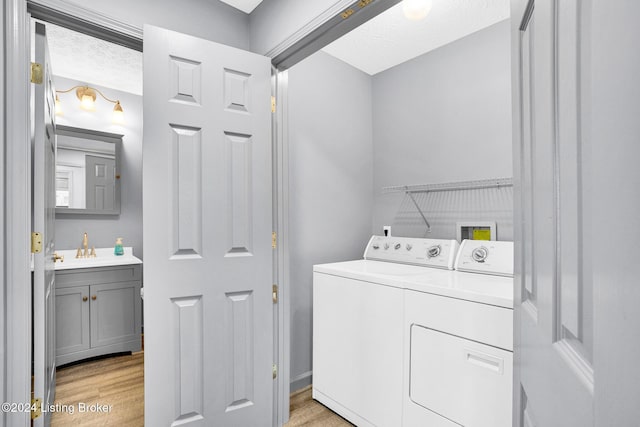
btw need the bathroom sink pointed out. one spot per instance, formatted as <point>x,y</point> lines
<point>104,258</point>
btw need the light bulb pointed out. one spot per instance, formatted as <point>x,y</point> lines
<point>118,114</point>
<point>88,103</point>
<point>59,111</point>
<point>416,10</point>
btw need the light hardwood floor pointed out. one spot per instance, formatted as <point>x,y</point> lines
<point>304,411</point>
<point>119,382</point>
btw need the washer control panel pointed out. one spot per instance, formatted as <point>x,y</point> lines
<point>411,250</point>
<point>484,256</point>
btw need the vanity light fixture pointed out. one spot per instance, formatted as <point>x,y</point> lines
<point>415,10</point>
<point>87,96</point>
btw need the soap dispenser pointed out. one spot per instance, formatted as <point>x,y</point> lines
<point>118,250</point>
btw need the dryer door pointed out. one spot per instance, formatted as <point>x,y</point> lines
<point>464,381</point>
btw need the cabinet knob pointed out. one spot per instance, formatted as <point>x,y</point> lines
<point>93,297</point>
<point>85,299</point>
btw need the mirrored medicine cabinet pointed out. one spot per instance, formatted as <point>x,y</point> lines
<point>87,172</point>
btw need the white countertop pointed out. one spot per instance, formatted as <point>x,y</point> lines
<point>482,288</point>
<point>104,258</point>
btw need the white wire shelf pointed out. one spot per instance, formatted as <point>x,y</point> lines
<point>409,190</point>
<point>450,186</point>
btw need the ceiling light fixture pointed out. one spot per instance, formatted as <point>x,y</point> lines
<point>87,96</point>
<point>415,10</point>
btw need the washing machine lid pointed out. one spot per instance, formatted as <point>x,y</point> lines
<point>382,272</point>
<point>437,253</point>
<point>480,288</point>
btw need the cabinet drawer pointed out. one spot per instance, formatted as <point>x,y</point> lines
<point>479,322</point>
<point>86,276</point>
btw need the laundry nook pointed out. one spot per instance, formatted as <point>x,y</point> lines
<point>333,213</point>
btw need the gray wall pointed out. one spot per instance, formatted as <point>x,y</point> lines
<point>445,116</point>
<point>212,20</point>
<point>330,161</point>
<point>273,21</point>
<point>128,225</point>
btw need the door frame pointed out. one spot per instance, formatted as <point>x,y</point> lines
<point>312,37</point>
<point>17,211</point>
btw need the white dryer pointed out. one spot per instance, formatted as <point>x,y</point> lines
<point>458,358</point>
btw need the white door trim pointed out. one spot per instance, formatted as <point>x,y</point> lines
<point>281,219</point>
<point>87,21</point>
<point>3,206</point>
<point>18,210</point>
<point>311,26</point>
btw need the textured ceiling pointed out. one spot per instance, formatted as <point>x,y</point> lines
<point>246,6</point>
<point>385,41</point>
<point>390,39</point>
<point>93,61</point>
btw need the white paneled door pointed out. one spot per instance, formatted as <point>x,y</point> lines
<point>554,369</point>
<point>44,203</point>
<point>207,233</point>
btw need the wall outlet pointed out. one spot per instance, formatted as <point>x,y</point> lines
<point>386,230</point>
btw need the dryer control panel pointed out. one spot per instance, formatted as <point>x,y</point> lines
<point>411,250</point>
<point>488,257</point>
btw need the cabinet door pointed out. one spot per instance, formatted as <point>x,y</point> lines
<point>72,320</point>
<point>115,313</point>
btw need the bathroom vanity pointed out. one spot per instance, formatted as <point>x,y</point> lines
<point>98,305</point>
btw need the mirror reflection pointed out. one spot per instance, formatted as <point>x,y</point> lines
<point>86,171</point>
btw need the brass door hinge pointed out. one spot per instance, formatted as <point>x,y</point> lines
<point>274,294</point>
<point>273,104</point>
<point>36,408</point>
<point>36,242</point>
<point>364,3</point>
<point>275,371</point>
<point>274,240</point>
<point>347,13</point>
<point>36,73</point>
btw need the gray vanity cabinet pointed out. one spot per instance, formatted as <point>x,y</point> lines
<point>98,311</point>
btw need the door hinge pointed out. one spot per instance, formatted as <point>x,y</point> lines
<point>273,104</point>
<point>274,240</point>
<point>274,294</point>
<point>347,13</point>
<point>36,242</point>
<point>36,73</point>
<point>36,408</point>
<point>275,371</point>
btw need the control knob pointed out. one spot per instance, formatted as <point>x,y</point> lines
<point>409,246</point>
<point>386,246</point>
<point>434,251</point>
<point>480,254</point>
<point>397,246</point>
<point>375,246</point>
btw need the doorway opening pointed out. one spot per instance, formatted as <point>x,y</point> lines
<point>98,311</point>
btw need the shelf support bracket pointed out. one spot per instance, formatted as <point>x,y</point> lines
<point>410,194</point>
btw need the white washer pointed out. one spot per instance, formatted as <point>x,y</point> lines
<point>373,322</point>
